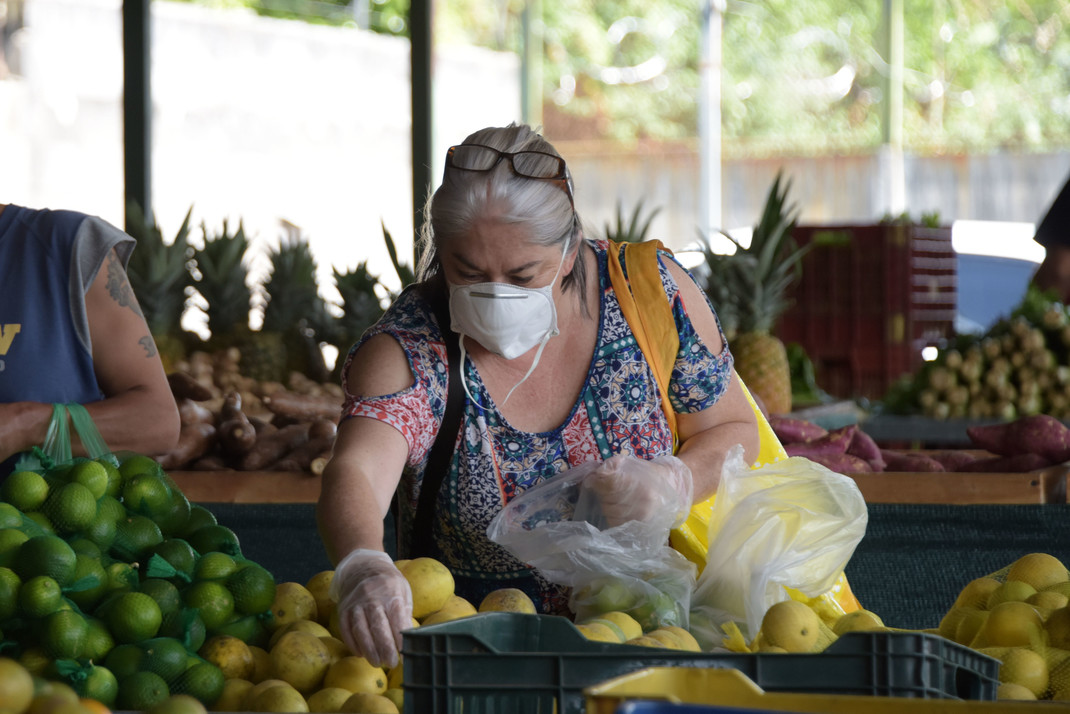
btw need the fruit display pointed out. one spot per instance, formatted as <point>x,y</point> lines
<point>1020,367</point>
<point>1027,443</point>
<point>232,421</point>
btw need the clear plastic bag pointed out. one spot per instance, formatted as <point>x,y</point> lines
<point>628,568</point>
<point>791,524</point>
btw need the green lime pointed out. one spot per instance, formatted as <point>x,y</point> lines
<point>214,566</point>
<point>213,600</point>
<point>165,656</point>
<point>203,681</point>
<point>174,520</point>
<point>247,628</point>
<point>178,553</point>
<point>37,522</point>
<point>111,508</point>
<point>9,593</point>
<point>98,642</point>
<point>124,660</point>
<point>136,536</point>
<point>115,479</point>
<point>215,538</point>
<point>141,691</point>
<point>45,555</point>
<point>11,539</point>
<point>101,532</point>
<point>147,495</point>
<point>253,588</point>
<point>135,464</point>
<point>92,475</point>
<point>186,626</point>
<point>83,546</point>
<point>71,507</point>
<point>121,577</point>
<point>133,617</point>
<point>64,634</point>
<point>10,516</point>
<point>25,490</point>
<point>164,592</point>
<point>101,684</point>
<point>89,584</point>
<point>199,516</point>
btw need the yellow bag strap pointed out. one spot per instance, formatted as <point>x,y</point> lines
<point>646,308</point>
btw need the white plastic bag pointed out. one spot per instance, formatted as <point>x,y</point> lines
<point>628,568</point>
<point>793,523</point>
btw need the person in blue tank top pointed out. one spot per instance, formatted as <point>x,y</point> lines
<point>71,331</point>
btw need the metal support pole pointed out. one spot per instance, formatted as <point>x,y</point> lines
<point>137,104</point>
<point>709,118</point>
<point>531,64</point>
<point>420,24</point>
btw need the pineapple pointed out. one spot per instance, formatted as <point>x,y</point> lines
<point>748,289</point>
<point>360,306</point>
<point>221,282</point>
<point>159,275</point>
<point>295,316</point>
<point>632,230</point>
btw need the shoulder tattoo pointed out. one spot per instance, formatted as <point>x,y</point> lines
<point>119,286</point>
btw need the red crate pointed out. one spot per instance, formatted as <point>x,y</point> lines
<point>869,299</point>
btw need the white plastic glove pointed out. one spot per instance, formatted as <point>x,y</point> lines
<point>628,488</point>
<point>374,605</point>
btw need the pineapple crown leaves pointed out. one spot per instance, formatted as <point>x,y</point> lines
<point>158,271</point>
<point>221,278</point>
<point>361,305</point>
<point>292,294</point>
<point>404,272</point>
<point>758,276</point>
<point>633,229</point>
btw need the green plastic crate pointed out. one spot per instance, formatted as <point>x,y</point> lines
<point>498,663</point>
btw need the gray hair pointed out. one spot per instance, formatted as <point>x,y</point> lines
<point>467,196</point>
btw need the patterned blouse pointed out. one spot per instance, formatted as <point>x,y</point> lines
<point>618,411</point>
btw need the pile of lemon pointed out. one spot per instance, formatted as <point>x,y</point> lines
<point>1019,615</point>
<point>110,582</point>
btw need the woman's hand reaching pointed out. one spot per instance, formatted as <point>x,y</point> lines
<point>374,605</point>
<point>628,488</point>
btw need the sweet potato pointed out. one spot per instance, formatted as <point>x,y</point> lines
<point>302,407</point>
<point>952,459</point>
<point>842,463</point>
<point>194,441</point>
<point>863,446</point>
<point>791,430</point>
<point>1019,463</point>
<point>833,442</point>
<point>271,447</point>
<point>909,463</point>
<point>1036,434</point>
<point>300,458</point>
<point>184,386</point>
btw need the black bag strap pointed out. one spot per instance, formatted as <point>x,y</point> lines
<point>438,460</point>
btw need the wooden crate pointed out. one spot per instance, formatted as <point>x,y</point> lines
<point>247,486</point>
<point>1046,485</point>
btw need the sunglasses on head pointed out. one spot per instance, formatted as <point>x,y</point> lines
<point>538,165</point>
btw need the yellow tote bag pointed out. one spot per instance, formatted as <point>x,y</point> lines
<point>646,308</point>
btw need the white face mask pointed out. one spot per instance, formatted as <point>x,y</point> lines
<point>505,319</point>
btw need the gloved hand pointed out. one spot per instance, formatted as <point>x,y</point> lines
<point>374,605</point>
<point>628,488</point>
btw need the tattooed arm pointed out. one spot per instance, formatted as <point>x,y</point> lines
<point>138,412</point>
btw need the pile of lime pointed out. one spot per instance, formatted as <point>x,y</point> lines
<point>111,580</point>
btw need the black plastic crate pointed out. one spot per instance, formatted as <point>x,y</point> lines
<point>505,662</point>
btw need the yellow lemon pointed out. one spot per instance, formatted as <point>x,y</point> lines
<point>357,675</point>
<point>310,626</point>
<point>283,700</point>
<point>16,685</point>
<point>646,641</point>
<point>598,632</point>
<point>362,703</point>
<point>1009,690</point>
<point>976,592</point>
<point>1040,570</point>
<point>507,600</point>
<point>292,602</point>
<point>1025,667</point>
<point>318,585</point>
<point>625,622</point>
<point>858,621</point>
<point>686,638</point>
<point>969,625</point>
<point>395,676</point>
<point>328,700</point>
<point>397,696</point>
<point>230,654</point>
<point>431,582</point>
<point>336,648</point>
<point>233,697</point>
<point>1010,624</point>
<point>255,690</point>
<point>1057,627</point>
<point>792,625</point>
<point>301,660</point>
<point>262,668</point>
<point>454,609</point>
<point>1011,590</point>
<point>1048,600</point>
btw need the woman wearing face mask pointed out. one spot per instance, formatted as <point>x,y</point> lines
<point>551,379</point>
